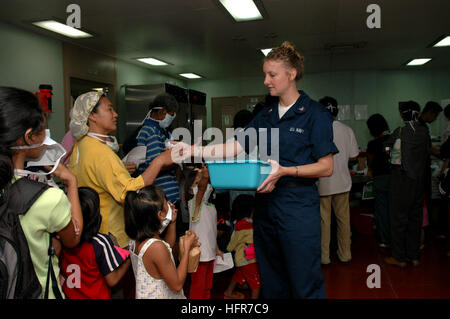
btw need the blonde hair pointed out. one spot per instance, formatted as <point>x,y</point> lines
<point>287,53</point>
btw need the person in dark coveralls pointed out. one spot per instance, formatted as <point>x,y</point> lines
<point>287,213</point>
<point>379,168</point>
<point>407,187</point>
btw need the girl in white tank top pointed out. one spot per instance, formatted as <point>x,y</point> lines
<point>148,215</point>
<point>148,287</point>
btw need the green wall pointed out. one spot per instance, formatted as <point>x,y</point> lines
<point>380,90</point>
<point>27,60</point>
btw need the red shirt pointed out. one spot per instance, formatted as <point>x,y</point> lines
<point>95,260</point>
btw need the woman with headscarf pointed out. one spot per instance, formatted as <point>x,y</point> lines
<point>95,163</point>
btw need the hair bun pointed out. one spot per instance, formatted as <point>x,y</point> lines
<point>288,53</point>
<point>291,47</point>
<point>288,45</point>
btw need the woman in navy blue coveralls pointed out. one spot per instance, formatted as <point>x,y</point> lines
<point>287,214</point>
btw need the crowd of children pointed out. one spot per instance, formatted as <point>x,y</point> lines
<point>150,223</point>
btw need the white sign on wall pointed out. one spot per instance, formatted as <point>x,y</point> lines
<point>344,113</point>
<point>361,112</point>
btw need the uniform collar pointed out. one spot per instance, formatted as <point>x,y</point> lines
<point>300,107</point>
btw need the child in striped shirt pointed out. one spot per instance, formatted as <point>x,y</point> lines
<point>95,265</point>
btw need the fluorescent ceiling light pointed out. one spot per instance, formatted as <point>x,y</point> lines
<point>190,75</point>
<point>63,29</point>
<point>152,61</point>
<point>242,10</point>
<point>266,51</point>
<point>445,42</point>
<point>418,61</point>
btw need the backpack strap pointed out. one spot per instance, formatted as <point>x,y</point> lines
<point>51,274</point>
<point>23,193</point>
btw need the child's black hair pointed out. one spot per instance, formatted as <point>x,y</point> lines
<point>409,110</point>
<point>242,119</point>
<point>90,207</point>
<point>447,111</point>
<point>19,111</point>
<point>242,207</point>
<point>432,107</point>
<point>377,124</point>
<point>190,178</point>
<point>141,212</point>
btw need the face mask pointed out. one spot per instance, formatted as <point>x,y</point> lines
<point>113,144</point>
<point>167,120</point>
<point>146,117</point>
<point>51,156</point>
<point>166,220</point>
<point>195,190</point>
<point>414,115</point>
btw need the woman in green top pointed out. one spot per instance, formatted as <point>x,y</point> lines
<point>22,132</point>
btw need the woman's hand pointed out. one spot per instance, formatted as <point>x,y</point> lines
<point>276,173</point>
<point>180,151</point>
<point>130,166</point>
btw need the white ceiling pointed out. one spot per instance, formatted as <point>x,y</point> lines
<point>198,36</point>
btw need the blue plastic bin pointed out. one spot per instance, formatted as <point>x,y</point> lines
<point>248,174</point>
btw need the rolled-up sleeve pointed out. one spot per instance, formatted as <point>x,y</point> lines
<point>322,135</point>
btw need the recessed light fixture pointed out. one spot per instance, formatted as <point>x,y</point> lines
<point>63,29</point>
<point>242,10</point>
<point>152,61</point>
<point>420,61</point>
<point>445,42</point>
<point>266,51</point>
<point>190,75</point>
